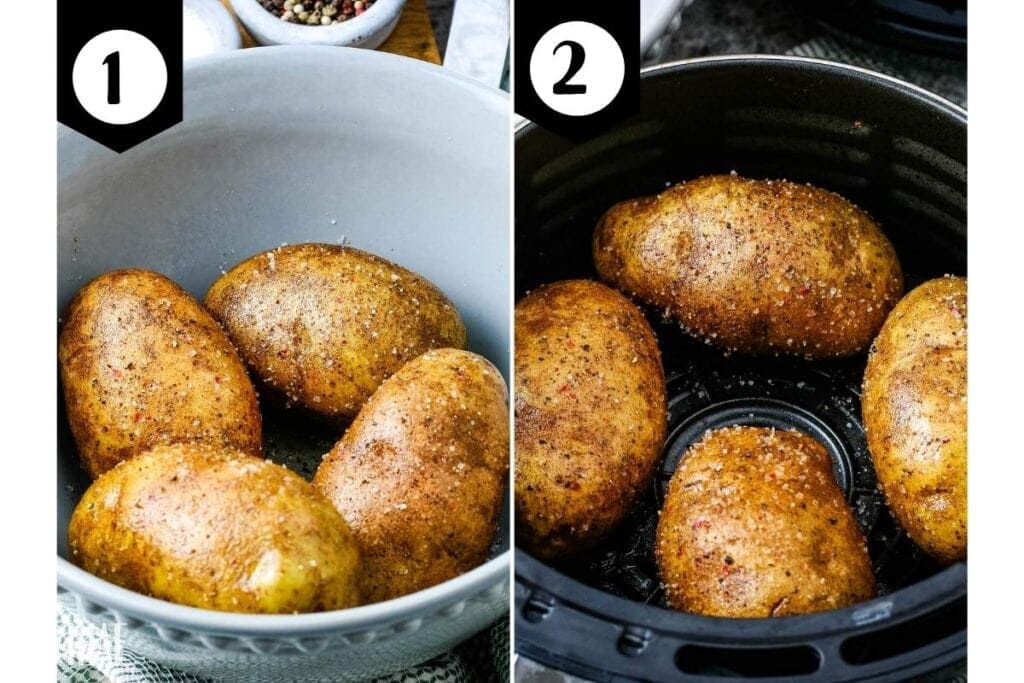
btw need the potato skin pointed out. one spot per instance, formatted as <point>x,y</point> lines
<point>215,528</point>
<point>421,473</point>
<point>754,525</point>
<point>590,414</point>
<point>323,325</point>
<point>754,266</point>
<point>914,405</point>
<point>142,364</point>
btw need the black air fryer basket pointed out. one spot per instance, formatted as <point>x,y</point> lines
<point>893,149</point>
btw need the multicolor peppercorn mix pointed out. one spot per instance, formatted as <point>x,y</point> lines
<point>318,13</point>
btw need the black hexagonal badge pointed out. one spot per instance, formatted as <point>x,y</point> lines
<point>119,69</point>
<point>577,64</point>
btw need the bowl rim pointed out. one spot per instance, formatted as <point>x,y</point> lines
<point>493,96</point>
<point>485,577</point>
<point>383,14</point>
<point>948,584</point>
<point>196,619</point>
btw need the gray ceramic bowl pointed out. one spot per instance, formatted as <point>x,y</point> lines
<point>294,144</point>
<point>369,29</point>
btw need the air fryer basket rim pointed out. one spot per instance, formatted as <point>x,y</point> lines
<point>542,587</point>
<point>951,107</point>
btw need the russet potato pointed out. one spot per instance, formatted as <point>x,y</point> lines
<point>211,527</point>
<point>755,266</point>
<point>323,325</point>
<point>914,406</point>
<point>589,414</point>
<point>141,364</point>
<point>754,525</point>
<point>421,473</point>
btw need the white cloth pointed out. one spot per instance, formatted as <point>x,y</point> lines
<point>86,654</point>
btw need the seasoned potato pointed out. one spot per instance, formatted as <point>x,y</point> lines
<point>590,414</point>
<point>915,412</point>
<point>754,525</point>
<point>324,325</point>
<point>142,364</point>
<point>754,266</point>
<point>421,472</point>
<point>215,528</point>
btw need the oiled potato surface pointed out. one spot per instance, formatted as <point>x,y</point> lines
<point>754,266</point>
<point>915,411</point>
<point>421,473</point>
<point>215,528</point>
<point>142,364</point>
<point>754,525</point>
<point>589,413</point>
<point>323,325</point>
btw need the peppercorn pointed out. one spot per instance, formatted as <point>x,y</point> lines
<point>316,12</point>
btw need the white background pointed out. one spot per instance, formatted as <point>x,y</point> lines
<point>28,291</point>
<point>995,354</point>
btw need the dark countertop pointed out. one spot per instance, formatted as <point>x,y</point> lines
<point>721,27</point>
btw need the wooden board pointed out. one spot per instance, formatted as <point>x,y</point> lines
<point>412,37</point>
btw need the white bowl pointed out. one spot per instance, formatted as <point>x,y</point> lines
<point>208,28</point>
<point>369,29</point>
<point>659,19</point>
